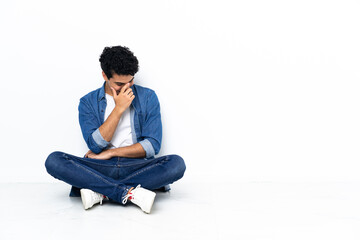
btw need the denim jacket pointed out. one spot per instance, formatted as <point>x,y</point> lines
<point>145,119</point>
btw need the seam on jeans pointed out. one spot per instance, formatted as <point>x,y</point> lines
<point>145,169</point>
<point>65,155</point>
<point>124,189</point>
<point>133,164</point>
<point>141,171</point>
<point>98,164</point>
<point>87,170</point>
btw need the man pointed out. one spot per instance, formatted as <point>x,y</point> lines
<point>121,125</point>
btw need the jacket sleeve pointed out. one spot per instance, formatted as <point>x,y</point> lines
<point>152,126</point>
<point>89,125</point>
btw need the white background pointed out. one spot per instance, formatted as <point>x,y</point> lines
<point>249,90</point>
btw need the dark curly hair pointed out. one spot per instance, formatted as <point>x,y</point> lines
<point>119,60</point>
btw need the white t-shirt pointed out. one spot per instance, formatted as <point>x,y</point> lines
<point>123,135</point>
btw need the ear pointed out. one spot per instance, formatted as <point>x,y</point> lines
<point>104,76</point>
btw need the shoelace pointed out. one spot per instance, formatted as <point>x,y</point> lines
<point>98,196</point>
<point>129,194</point>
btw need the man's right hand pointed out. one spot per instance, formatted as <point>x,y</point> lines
<point>124,98</point>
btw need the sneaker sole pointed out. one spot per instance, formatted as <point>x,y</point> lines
<point>84,202</point>
<point>149,207</point>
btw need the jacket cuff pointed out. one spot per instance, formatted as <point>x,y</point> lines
<point>99,140</point>
<point>148,147</point>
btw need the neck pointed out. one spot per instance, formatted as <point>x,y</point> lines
<point>107,89</point>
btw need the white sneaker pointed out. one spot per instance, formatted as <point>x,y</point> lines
<point>142,197</point>
<point>89,198</point>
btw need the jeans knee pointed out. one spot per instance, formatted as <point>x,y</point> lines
<point>52,162</point>
<point>179,165</point>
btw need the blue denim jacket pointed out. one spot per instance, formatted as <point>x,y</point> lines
<point>145,119</point>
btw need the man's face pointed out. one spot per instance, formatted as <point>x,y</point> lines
<point>118,81</point>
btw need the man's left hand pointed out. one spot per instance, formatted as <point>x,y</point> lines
<point>104,155</point>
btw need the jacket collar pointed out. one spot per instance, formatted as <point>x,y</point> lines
<point>102,92</point>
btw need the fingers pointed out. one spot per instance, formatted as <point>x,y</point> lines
<point>113,91</point>
<point>125,96</point>
<point>87,154</point>
<point>125,88</point>
<point>92,155</point>
<point>128,91</point>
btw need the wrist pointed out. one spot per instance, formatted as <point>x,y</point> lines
<point>114,152</point>
<point>119,109</point>
<point>111,153</point>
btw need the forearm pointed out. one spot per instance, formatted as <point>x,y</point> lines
<point>107,129</point>
<point>133,151</point>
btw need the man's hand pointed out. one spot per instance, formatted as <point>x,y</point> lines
<point>122,102</point>
<point>124,98</point>
<point>104,155</point>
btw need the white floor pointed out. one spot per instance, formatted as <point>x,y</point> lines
<point>256,210</point>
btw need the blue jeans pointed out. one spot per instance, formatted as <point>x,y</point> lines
<point>114,177</point>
